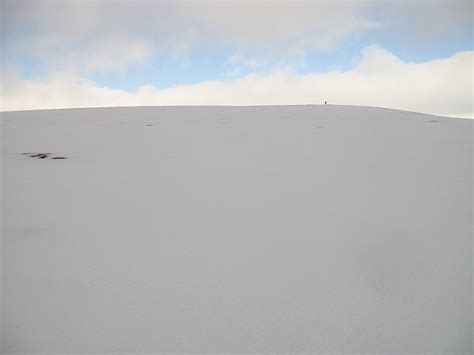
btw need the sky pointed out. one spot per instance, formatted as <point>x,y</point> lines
<point>409,55</point>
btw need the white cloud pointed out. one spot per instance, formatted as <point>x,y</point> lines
<point>247,24</point>
<point>58,31</point>
<point>441,87</point>
<point>84,36</point>
<point>106,55</point>
<point>423,22</point>
<point>114,54</point>
<point>280,24</point>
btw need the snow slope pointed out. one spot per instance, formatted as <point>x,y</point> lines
<point>236,229</point>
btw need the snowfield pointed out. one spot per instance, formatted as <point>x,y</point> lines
<point>236,229</point>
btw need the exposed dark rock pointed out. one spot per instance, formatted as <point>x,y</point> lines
<point>40,155</point>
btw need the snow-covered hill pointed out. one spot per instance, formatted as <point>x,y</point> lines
<point>236,229</point>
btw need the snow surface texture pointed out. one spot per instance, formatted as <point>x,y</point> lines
<point>236,229</point>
